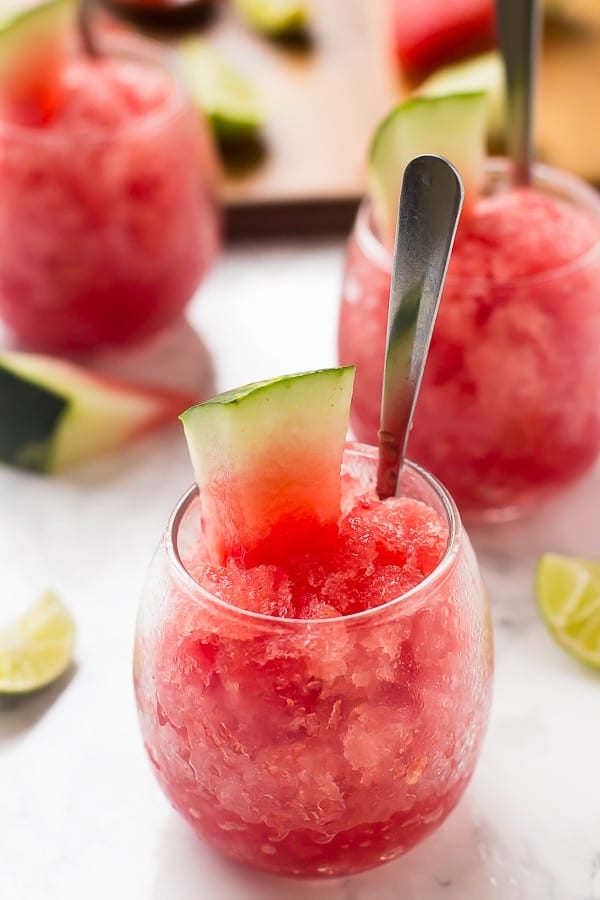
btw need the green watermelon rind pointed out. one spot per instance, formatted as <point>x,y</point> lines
<point>451,125</point>
<point>269,452</point>
<point>32,44</point>
<point>56,415</point>
<point>235,395</point>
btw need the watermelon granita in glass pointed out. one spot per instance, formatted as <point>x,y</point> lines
<point>509,409</point>
<point>108,220</point>
<point>313,665</point>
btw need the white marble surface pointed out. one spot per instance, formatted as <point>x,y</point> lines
<point>80,815</point>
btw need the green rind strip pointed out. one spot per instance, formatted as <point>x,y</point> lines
<point>452,126</point>
<point>237,394</point>
<point>30,417</point>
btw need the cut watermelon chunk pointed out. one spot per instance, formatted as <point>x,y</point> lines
<point>55,414</point>
<point>452,126</point>
<point>484,72</point>
<point>436,32</point>
<point>267,461</point>
<point>33,47</point>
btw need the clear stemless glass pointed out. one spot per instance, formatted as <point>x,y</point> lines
<point>509,409</point>
<point>315,747</point>
<point>109,216</point>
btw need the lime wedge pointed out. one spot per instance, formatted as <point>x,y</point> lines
<point>38,648</point>
<point>230,103</point>
<point>276,18</point>
<point>568,597</point>
<point>452,125</point>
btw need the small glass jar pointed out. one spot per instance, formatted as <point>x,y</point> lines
<point>109,216</point>
<point>509,409</point>
<point>315,747</point>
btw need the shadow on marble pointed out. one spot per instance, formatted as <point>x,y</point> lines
<point>569,523</point>
<point>21,712</point>
<point>464,860</point>
<point>176,358</point>
<point>508,552</point>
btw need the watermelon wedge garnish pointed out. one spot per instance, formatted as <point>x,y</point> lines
<point>267,460</point>
<point>451,125</point>
<point>33,47</point>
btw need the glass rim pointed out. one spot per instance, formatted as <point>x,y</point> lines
<point>434,580</point>
<point>131,48</point>
<point>546,178</point>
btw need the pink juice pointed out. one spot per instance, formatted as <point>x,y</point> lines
<point>509,409</point>
<point>324,715</point>
<point>108,219</point>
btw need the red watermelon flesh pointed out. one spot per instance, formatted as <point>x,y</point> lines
<point>435,32</point>
<point>267,459</point>
<point>33,48</point>
<point>376,552</point>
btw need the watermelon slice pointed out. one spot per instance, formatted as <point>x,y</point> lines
<point>452,125</point>
<point>267,461</point>
<point>484,72</point>
<point>33,48</point>
<point>436,32</point>
<point>55,414</point>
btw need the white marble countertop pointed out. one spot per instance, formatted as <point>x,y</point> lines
<point>81,817</point>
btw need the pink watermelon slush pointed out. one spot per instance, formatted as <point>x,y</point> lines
<point>509,410</point>
<point>108,218</point>
<point>324,715</point>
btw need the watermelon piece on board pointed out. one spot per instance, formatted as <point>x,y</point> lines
<point>435,32</point>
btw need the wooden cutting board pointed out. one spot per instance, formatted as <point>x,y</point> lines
<point>323,101</point>
<point>568,119</point>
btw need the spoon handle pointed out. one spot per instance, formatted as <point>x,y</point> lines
<point>519,37</point>
<point>430,205</point>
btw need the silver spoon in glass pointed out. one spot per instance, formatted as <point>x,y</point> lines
<point>430,204</point>
<point>519,37</point>
<point>85,13</point>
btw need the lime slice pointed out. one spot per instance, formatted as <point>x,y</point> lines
<point>38,648</point>
<point>276,18</point>
<point>484,72</point>
<point>568,596</point>
<point>229,102</point>
<point>452,126</point>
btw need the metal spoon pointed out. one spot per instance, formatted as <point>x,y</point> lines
<point>519,37</point>
<point>85,13</point>
<point>430,205</point>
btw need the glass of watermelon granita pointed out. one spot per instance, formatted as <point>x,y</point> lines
<point>108,220</point>
<point>509,408</point>
<point>322,715</point>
